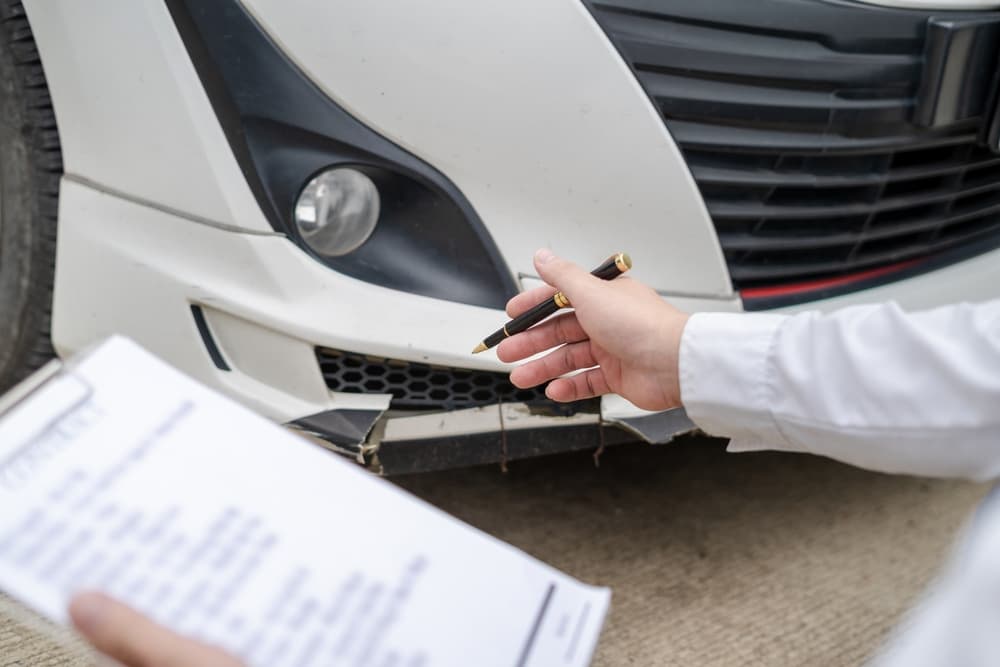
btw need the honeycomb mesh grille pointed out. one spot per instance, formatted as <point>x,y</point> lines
<point>417,386</point>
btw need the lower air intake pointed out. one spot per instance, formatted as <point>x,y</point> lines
<point>417,386</point>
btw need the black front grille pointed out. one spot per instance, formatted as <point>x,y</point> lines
<point>420,386</point>
<point>795,119</point>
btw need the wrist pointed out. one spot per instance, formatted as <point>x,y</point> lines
<point>673,380</point>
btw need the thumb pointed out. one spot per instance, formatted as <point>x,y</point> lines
<point>130,638</point>
<point>564,275</point>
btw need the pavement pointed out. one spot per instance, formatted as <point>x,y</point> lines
<point>715,559</point>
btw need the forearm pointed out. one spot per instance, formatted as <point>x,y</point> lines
<point>871,386</point>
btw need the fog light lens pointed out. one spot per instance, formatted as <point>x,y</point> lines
<point>337,211</point>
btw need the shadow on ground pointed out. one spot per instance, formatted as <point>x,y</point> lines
<point>716,558</point>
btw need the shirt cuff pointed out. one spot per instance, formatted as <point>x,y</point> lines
<point>725,368</point>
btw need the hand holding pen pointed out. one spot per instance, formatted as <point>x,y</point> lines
<point>612,267</point>
<point>622,337</point>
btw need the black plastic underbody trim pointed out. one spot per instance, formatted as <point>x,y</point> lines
<point>207,339</point>
<point>397,457</point>
<point>283,129</point>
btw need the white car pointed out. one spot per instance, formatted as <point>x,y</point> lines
<point>319,207</point>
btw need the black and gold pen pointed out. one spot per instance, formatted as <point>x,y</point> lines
<point>613,267</point>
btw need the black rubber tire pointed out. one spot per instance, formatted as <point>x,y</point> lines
<point>30,168</point>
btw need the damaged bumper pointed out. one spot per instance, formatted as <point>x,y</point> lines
<point>392,443</point>
<point>381,375</point>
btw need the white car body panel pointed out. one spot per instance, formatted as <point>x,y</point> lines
<point>133,117</point>
<point>510,417</point>
<point>531,148</point>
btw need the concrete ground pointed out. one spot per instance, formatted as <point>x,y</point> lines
<point>714,559</point>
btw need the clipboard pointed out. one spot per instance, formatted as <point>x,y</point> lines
<point>76,393</point>
<point>119,473</point>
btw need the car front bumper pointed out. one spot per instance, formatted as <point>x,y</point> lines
<point>268,307</point>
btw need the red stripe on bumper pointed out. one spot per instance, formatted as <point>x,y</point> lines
<point>825,283</point>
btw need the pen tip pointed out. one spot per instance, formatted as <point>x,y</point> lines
<point>479,348</point>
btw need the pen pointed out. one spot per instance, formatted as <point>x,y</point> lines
<point>613,267</point>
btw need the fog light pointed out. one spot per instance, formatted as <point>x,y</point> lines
<point>337,211</point>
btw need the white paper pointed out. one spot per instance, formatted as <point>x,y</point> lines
<point>122,475</point>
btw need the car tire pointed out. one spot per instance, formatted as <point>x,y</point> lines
<point>30,169</point>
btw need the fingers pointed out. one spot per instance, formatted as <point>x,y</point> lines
<point>587,384</point>
<point>529,299</point>
<point>551,333</point>
<point>561,361</point>
<point>135,641</point>
<point>563,274</point>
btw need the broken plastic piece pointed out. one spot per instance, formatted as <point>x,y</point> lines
<point>347,430</point>
<point>658,427</point>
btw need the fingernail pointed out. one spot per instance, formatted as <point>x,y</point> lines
<point>87,610</point>
<point>544,255</point>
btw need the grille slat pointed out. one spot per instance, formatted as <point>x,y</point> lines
<point>749,242</point>
<point>774,179</point>
<point>824,209</point>
<point>813,68</point>
<point>799,133</point>
<point>872,30</point>
<point>729,139</point>
<point>862,261</point>
<point>685,97</point>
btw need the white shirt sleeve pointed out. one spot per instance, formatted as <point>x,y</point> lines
<point>956,622</point>
<point>872,386</point>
